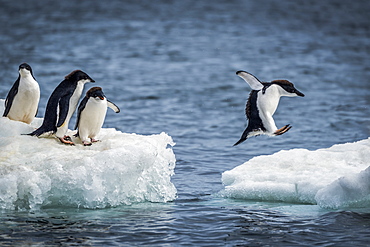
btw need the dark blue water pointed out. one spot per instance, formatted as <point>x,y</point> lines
<point>170,66</point>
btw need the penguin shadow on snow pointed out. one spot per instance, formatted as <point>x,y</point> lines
<point>262,104</point>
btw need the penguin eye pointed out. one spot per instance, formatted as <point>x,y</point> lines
<point>288,88</point>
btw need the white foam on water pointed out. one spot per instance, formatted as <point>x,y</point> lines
<point>120,170</point>
<point>334,177</point>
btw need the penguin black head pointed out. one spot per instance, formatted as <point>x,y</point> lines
<point>25,66</point>
<point>288,87</point>
<point>78,75</point>
<point>95,92</point>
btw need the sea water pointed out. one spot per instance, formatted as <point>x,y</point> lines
<point>165,172</point>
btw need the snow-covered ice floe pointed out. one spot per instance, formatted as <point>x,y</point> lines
<point>120,170</point>
<point>333,177</point>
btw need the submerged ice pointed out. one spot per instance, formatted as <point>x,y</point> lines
<point>334,177</point>
<point>121,169</point>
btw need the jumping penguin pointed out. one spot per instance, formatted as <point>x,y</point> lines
<point>91,115</point>
<point>22,101</point>
<point>62,104</point>
<point>262,103</point>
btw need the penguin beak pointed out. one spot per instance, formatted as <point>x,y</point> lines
<point>299,93</point>
<point>100,95</point>
<point>90,79</point>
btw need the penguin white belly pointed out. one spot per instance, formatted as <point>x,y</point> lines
<point>73,101</point>
<point>25,102</point>
<point>267,104</point>
<point>92,119</point>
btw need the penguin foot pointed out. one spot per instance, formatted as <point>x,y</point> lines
<point>282,130</point>
<point>86,143</point>
<point>94,140</point>
<point>66,140</point>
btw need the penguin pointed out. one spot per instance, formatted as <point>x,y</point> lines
<point>22,101</point>
<point>91,114</point>
<point>62,104</point>
<point>262,103</point>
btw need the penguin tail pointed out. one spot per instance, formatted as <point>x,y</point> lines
<point>41,131</point>
<point>244,136</point>
<point>37,132</point>
<point>249,132</point>
<point>240,141</point>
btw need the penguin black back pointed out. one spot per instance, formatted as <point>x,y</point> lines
<point>10,97</point>
<point>59,100</point>
<point>252,113</point>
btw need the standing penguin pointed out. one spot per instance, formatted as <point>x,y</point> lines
<point>262,104</point>
<point>62,104</point>
<point>91,115</point>
<point>22,101</point>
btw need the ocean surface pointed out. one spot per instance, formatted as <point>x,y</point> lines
<point>170,67</point>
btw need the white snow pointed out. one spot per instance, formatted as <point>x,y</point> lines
<point>334,177</point>
<point>120,170</point>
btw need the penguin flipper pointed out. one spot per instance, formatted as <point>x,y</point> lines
<point>10,97</point>
<point>113,106</point>
<point>63,109</point>
<point>253,82</point>
<point>81,107</point>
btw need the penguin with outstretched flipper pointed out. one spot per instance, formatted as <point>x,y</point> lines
<point>262,103</point>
